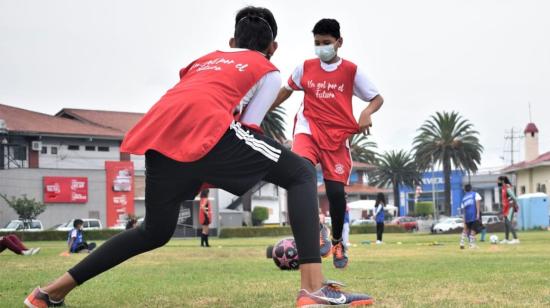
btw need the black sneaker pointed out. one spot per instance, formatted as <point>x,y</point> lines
<point>331,296</point>
<point>324,241</point>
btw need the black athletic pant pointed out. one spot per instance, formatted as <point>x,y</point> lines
<point>379,231</point>
<point>337,205</point>
<point>237,162</point>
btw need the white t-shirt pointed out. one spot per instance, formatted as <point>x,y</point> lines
<point>260,97</point>
<point>363,88</point>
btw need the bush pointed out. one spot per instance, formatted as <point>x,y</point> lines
<point>424,208</point>
<point>254,231</point>
<point>52,235</point>
<point>259,214</point>
<point>285,231</point>
<point>388,228</point>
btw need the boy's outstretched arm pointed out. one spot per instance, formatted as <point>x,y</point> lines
<point>283,95</point>
<point>365,121</point>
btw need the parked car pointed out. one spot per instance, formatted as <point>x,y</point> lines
<point>408,223</point>
<point>359,222</point>
<point>447,224</point>
<point>89,224</point>
<point>490,219</point>
<point>18,225</point>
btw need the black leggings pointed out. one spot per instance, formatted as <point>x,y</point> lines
<point>231,165</point>
<point>337,202</point>
<point>379,231</point>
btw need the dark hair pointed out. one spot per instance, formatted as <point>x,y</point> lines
<point>327,26</point>
<point>468,187</point>
<point>255,28</point>
<point>131,223</point>
<point>504,179</point>
<point>204,193</point>
<point>77,222</point>
<point>380,199</point>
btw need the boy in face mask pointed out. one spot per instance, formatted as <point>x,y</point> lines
<point>325,119</point>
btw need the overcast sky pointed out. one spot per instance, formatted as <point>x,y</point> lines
<point>485,59</point>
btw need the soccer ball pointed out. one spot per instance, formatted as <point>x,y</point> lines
<point>285,254</point>
<point>493,239</point>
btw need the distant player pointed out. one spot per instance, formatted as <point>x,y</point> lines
<point>472,218</point>
<point>325,120</point>
<point>189,137</point>
<point>509,209</point>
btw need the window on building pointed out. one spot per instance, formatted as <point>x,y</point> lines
<point>522,189</point>
<point>543,188</point>
<point>538,187</point>
<point>73,147</point>
<point>103,149</point>
<point>90,148</point>
<point>44,150</point>
<point>53,150</point>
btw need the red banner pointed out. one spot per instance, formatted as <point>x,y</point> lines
<point>58,189</point>
<point>120,191</point>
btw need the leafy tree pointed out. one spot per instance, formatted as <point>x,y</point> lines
<point>273,124</point>
<point>27,209</point>
<point>450,140</point>
<point>395,169</point>
<point>259,214</point>
<point>362,149</point>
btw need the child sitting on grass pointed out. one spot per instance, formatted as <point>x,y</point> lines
<point>76,240</point>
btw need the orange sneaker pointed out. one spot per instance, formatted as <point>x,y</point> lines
<point>40,299</point>
<point>339,256</point>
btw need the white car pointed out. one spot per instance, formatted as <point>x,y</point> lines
<point>89,224</point>
<point>18,225</point>
<point>359,222</point>
<point>448,224</point>
<point>490,219</point>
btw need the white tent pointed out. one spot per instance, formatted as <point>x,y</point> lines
<point>356,208</point>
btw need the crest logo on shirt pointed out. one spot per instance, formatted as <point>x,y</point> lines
<point>339,169</point>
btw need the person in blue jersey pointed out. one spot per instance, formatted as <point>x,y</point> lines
<point>471,209</point>
<point>379,216</point>
<point>76,240</point>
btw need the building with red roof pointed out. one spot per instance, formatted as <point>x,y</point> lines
<point>532,174</point>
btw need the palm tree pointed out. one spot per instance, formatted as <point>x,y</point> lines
<point>273,124</point>
<point>450,140</point>
<point>362,149</point>
<point>395,169</point>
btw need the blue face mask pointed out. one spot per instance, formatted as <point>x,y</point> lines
<point>325,52</point>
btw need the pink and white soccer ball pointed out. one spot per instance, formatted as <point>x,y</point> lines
<point>285,254</point>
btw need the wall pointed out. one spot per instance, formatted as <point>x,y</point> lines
<point>16,182</point>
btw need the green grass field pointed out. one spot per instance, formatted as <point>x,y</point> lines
<point>235,273</point>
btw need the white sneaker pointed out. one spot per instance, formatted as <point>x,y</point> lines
<point>504,241</point>
<point>27,252</point>
<point>35,250</point>
<point>378,242</point>
<point>514,241</point>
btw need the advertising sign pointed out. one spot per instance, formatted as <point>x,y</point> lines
<point>120,191</point>
<point>58,189</point>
